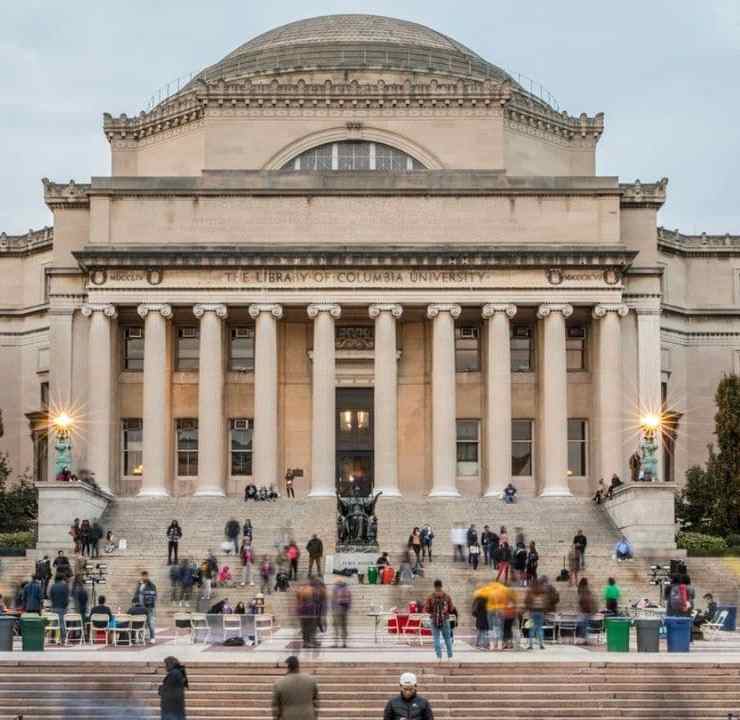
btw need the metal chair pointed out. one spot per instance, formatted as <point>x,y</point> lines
<point>232,626</point>
<point>182,623</point>
<point>713,628</point>
<point>122,627</point>
<point>74,629</point>
<point>595,627</point>
<point>199,624</point>
<point>569,626</point>
<point>138,629</point>
<point>98,625</point>
<point>262,624</point>
<point>52,627</point>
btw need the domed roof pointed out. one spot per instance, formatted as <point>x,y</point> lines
<point>353,41</point>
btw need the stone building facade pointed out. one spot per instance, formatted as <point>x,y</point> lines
<point>356,250</point>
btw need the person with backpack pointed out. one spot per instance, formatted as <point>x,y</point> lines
<point>146,595</point>
<point>440,607</point>
<point>293,554</point>
<point>174,533</point>
<point>612,593</point>
<point>341,603</point>
<point>679,604</point>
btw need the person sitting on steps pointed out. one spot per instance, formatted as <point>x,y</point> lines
<point>250,492</point>
<point>509,493</point>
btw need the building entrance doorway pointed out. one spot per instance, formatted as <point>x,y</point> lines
<point>354,437</point>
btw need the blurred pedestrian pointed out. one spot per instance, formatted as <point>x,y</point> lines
<point>146,595</point>
<point>581,541</point>
<point>427,536</point>
<point>172,690</point>
<point>80,596</point>
<point>414,543</point>
<point>586,608</point>
<point>503,559</point>
<point>499,602</point>
<point>296,695</point>
<point>266,573</point>
<point>408,704</point>
<point>536,601</point>
<point>574,564</point>
<point>293,554</point>
<point>315,550</point>
<point>59,601</point>
<point>247,558</point>
<point>533,559</point>
<point>231,531</point>
<point>96,535</point>
<point>341,603</point>
<point>174,533</point>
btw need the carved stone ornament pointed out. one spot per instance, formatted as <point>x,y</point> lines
<point>544,310</point>
<point>491,309</point>
<point>164,310</point>
<point>275,310</point>
<point>612,276</point>
<point>108,310</point>
<point>554,276</point>
<point>358,337</point>
<point>220,309</point>
<point>375,310</point>
<point>434,310</point>
<point>98,277</point>
<point>600,311</point>
<point>154,276</point>
<point>334,310</point>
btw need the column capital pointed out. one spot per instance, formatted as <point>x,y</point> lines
<point>377,308</point>
<point>108,310</point>
<point>275,310</point>
<point>544,310</point>
<point>314,309</point>
<point>220,309</point>
<point>434,310</point>
<point>164,310</point>
<point>601,310</point>
<point>491,309</point>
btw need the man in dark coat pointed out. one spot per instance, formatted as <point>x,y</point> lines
<point>295,696</point>
<point>33,594</point>
<point>172,690</point>
<point>232,531</point>
<point>59,600</point>
<point>407,704</point>
<point>315,551</point>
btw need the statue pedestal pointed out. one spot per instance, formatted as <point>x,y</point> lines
<point>359,560</point>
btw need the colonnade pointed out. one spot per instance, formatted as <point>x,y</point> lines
<point>211,417</point>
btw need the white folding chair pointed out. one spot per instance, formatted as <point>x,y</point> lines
<point>138,629</point>
<point>232,626</point>
<point>122,627</point>
<point>712,630</point>
<point>199,624</point>
<point>52,628</point>
<point>98,625</point>
<point>182,626</point>
<point>263,624</point>
<point>74,629</point>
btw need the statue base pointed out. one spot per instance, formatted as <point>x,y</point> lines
<point>364,548</point>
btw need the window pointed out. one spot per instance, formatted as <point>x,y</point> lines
<point>133,348</point>
<point>241,356</point>
<point>577,447</point>
<point>241,433</point>
<point>188,339</point>
<point>521,448</point>
<point>467,447</point>
<point>467,349</point>
<point>354,155</point>
<point>575,347</point>
<point>187,447</point>
<point>132,446</point>
<point>44,392</point>
<point>522,348</point>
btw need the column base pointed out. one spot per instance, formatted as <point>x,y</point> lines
<point>387,492</point>
<point>322,493</point>
<point>153,492</point>
<point>494,494</point>
<point>556,492</point>
<point>444,493</point>
<point>215,492</point>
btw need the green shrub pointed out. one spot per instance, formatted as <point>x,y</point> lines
<point>733,541</point>
<point>700,543</point>
<point>16,540</point>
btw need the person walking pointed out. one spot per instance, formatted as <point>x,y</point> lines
<point>503,559</point>
<point>187,580</point>
<point>471,538</point>
<point>427,536</point>
<point>33,594</point>
<point>174,533</point>
<point>536,601</point>
<point>247,557</point>
<point>611,594</point>
<point>96,535</point>
<point>266,573</point>
<point>519,562</point>
<point>408,703</point>
<point>533,559</point>
<point>458,536</point>
<point>294,555</point>
<point>581,541</point>
<point>439,606</point>
<point>341,604</point>
<point>315,550</point>
<point>80,596</point>
<point>474,554</point>
<point>146,595</point>
<point>574,564</point>
<point>499,600</point>
<point>231,531</point>
<point>59,601</point>
<point>172,690</point>
<point>174,583</point>
<point>586,608</point>
<point>414,543</point>
<point>296,695</point>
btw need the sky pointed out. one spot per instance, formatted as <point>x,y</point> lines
<point>666,75</point>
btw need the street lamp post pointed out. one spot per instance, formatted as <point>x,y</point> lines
<point>62,425</point>
<point>649,427</point>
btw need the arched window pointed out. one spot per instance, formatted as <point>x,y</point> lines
<point>354,155</point>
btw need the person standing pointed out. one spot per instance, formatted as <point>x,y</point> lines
<point>85,537</point>
<point>59,600</point>
<point>74,533</point>
<point>266,573</point>
<point>474,554</point>
<point>503,560</point>
<point>146,596</point>
<point>247,557</point>
<point>315,550</point>
<point>232,534</point>
<point>96,535</point>
<point>289,489</point>
<point>172,690</point>
<point>32,596</point>
<point>519,562</point>
<point>415,543</point>
<point>296,695</point>
<point>471,538</point>
<point>341,603</point>
<point>533,559</point>
<point>174,533</point>
<point>80,596</point>
<point>439,606</point>
<point>248,531</point>
<point>574,564</point>
<point>536,602</point>
<point>612,593</point>
<point>485,541</point>
<point>581,541</point>
<point>427,536</point>
<point>408,704</point>
<point>293,554</point>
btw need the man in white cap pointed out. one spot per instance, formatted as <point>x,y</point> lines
<point>407,705</point>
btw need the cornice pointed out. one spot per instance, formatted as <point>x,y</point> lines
<point>699,312</point>
<point>673,242</point>
<point>66,195</point>
<point>643,195</point>
<point>34,241</point>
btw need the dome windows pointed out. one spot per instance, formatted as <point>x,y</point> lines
<point>354,155</point>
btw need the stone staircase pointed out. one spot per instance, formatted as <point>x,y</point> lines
<point>508,691</point>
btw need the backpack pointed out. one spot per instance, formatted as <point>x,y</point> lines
<point>439,610</point>
<point>679,598</point>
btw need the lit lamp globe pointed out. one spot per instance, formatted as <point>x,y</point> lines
<point>62,424</point>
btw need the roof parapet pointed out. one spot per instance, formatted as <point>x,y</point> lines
<point>33,240</point>
<point>644,195</point>
<point>703,242</point>
<point>67,195</point>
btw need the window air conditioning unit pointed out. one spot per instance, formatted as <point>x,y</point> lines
<point>469,333</point>
<point>243,332</point>
<point>188,332</point>
<point>241,424</point>
<point>135,333</point>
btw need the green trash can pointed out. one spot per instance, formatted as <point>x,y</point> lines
<point>372,574</point>
<point>32,631</point>
<point>7,625</point>
<point>648,633</point>
<point>617,634</point>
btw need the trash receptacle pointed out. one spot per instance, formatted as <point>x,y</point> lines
<point>7,625</point>
<point>32,631</point>
<point>730,623</point>
<point>678,633</point>
<point>372,574</point>
<point>648,630</point>
<point>617,634</point>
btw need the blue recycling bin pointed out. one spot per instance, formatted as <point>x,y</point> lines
<point>730,623</point>
<point>678,633</point>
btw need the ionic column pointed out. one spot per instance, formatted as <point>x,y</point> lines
<point>324,406</point>
<point>265,437</point>
<point>553,432</point>
<point>608,400</point>
<point>157,411</point>
<point>498,397</point>
<point>386,398</point>
<point>444,430</point>
<point>211,421</point>
<point>100,396</point>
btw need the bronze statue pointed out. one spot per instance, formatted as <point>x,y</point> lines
<point>356,521</point>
